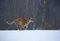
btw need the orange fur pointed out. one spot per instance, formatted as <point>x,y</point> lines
<point>21,22</point>
<point>48,26</point>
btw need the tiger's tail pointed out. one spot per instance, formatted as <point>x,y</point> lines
<point>10,22</point>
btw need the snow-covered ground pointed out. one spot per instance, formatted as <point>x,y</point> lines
<point>31,35</point>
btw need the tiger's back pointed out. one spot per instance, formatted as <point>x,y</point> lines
<point>23,20</point>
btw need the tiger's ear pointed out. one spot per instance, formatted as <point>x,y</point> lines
<point>30,18</point>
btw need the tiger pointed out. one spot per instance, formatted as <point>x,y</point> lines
<point>48,26</point>
<point>21,22</point>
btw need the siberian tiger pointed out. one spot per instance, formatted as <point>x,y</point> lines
<point>48,26</point>
<point>21,22</point>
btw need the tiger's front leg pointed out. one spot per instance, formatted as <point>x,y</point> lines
<point>26,26</point>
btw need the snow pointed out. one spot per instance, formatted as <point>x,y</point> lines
<point>30,35</point>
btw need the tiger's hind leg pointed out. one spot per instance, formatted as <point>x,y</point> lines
<point>17,26</point>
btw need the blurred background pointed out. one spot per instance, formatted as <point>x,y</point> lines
<point>45,13</point>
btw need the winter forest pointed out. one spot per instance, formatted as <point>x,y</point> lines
<point>45,14</point>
